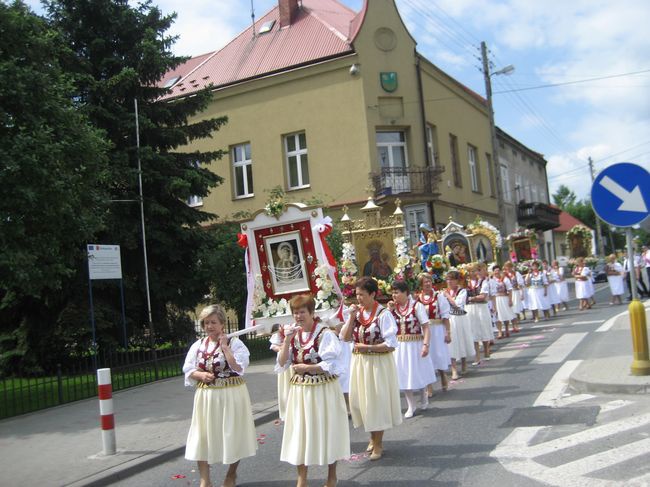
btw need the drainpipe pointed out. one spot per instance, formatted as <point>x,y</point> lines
<point>427,157</point>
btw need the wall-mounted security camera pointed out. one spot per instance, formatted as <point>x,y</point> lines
<point>354,69</point>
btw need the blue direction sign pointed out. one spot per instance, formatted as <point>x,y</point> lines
<point>620,194</point>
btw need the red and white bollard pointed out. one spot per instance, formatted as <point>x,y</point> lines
<point>106,410</point>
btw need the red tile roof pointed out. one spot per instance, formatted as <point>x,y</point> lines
<point>567,222</point>
<point>321,30</point>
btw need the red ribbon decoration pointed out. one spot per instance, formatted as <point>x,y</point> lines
<point>242,240</point>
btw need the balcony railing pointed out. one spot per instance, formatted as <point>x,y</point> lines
<point>414,181</point>
<point>538,216</point>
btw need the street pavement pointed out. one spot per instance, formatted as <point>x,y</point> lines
<point>555,406</point>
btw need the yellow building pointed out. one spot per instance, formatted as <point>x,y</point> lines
<point>324,101</point>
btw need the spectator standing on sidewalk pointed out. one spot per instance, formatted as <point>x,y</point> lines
<point>222,428</point>
<point>636,267</point>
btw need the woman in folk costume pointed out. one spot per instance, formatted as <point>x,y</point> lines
<point>503,301</point>
<point>518,291</point>
<point>615,279</point>
<point>277,338</point>
<point>553,296</point>
<point>561,286</point>
<point>374,389</point>
<point>537,284</point>
<point>222,429</point>
<point>582,274</point>
<point>316,427</point>
<point>462,340</point>
<point>479,313</point>
<point>414,367</point>
<point>437,308</point>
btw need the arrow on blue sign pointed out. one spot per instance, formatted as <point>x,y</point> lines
<point>619,194</point>
<point>631,200</point>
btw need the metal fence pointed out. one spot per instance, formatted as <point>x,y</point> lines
<point>78,379</point>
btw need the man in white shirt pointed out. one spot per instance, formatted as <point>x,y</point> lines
<point>645,262</point>
<point>640,286</point>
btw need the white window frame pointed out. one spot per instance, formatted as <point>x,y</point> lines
<point>299,153</point>
<point>243,163</point>
<point>194,200</point>
<point>505,183</point>
<point>519,189</point>
<point>412,222</point>
<point>431,144</point>
<point>472,156</point>
<point>391,145</point>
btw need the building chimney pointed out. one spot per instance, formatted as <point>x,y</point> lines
<point>288,12</point>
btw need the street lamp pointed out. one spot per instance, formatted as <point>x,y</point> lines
<point>493,133</point>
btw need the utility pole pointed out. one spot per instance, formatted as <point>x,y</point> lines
<point>493,137</point>
<point>599,236</point>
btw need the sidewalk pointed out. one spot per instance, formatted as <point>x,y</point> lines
<point>610,372</point>
<point>61,446</point>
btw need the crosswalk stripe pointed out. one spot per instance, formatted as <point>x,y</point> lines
<point>592,322</point>
<point>560,349</point>
<point>585,436</point>
<point>604,459</point>
<point>613,405</point>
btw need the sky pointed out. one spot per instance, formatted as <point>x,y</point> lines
<point>588,48</point>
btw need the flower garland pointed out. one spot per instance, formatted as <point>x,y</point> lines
<point>523,233</point>
<point>582,232</point>
<point>405,268</point>
<point>265,307</point>
<point>437,266</point>
<point>348,270</point>
<point>488,226</point>
<point>275,205</point>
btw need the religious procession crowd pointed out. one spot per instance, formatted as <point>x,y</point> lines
<point>358,366</point>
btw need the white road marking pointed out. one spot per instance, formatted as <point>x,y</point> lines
<point>609,323</point>
<point>558,384</point>
<point>592,322</point>
<point>565,401</point>
<point>560,349</point>
<point>509,349</point>
<point>591,434</point>
<point>604,459</point>
<point>612,405</point>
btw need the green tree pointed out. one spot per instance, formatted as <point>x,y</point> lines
<point>121,53</point>
<point>564,198</point>
<point>52,174</point>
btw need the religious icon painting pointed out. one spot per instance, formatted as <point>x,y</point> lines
<point>286,263</point>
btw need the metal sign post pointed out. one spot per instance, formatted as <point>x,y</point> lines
<point>104,263</point>
<point>619,196</point>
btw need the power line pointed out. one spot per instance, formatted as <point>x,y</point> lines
<point>585,80</point>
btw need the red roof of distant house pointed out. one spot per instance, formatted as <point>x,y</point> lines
<point>321,30</point>
<point>567,222</point>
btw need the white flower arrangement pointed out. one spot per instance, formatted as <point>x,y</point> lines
<point>493,229</point>
<point>265,307</point>
<point>403,257</point>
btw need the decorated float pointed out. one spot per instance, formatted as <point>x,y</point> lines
<point>578,239</point>
<point>522,245</point>
<point>287,254</point>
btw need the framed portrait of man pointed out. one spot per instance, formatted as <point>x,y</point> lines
<point>286,263</point>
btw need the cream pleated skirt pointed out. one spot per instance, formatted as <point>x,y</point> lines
<point>413,371</point>
<point>316,428</point>
<point>479,317</point>
<point>283,391</point>
<point>222,428</point>
<point>374,392</point>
